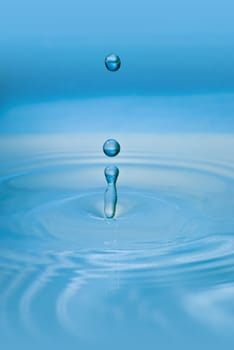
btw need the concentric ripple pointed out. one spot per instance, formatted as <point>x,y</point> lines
<point>173,236</point>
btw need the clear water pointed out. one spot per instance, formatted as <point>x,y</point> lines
<point>161,273</point>
<point>112,62</point>
<point>111,148</point>
<point>110,198</point>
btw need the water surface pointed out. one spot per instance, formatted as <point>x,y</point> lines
<point>161,273</point>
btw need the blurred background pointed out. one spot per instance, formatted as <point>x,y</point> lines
<point>177,66</point>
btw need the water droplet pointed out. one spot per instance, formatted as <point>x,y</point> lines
<point>110,198</point>
<point>112,62</point>
<point>111,173</point>
<point>111,148</point>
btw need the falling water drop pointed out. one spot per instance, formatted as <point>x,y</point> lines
<point>111,148</point>
<point>112,62</point>
<point>110,199</point>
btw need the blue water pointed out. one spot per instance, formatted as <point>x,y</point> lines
<point>160,274</point>
<point>112,62</point>
<point>111,148</point>
<point>110,199</point>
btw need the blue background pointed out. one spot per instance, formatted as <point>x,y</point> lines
<point>53,51</point>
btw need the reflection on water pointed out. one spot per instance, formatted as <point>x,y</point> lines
<point>161,272</point>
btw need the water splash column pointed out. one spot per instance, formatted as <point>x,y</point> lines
<point>111,148</point>
<point>110,196</point>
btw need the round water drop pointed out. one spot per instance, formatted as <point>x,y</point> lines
<point>112,62</point>
<point>111,148</point>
